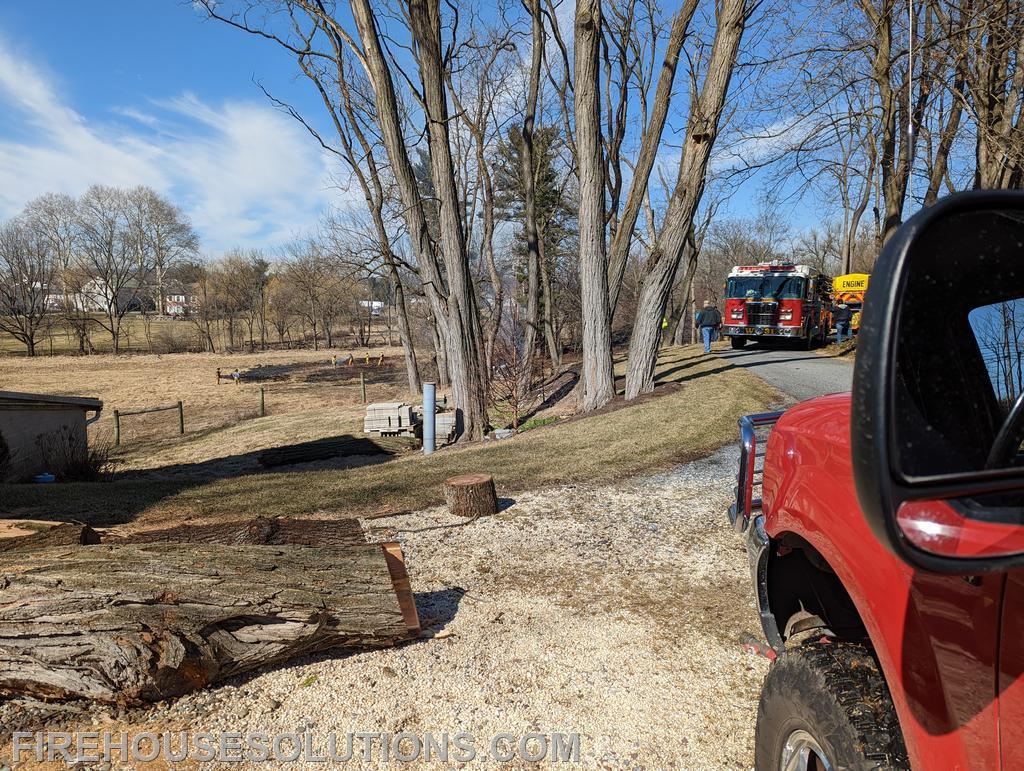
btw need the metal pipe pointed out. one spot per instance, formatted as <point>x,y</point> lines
<point>429,417</point>
<point>362,387</point>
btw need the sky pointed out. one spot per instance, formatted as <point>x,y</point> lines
<point>147,92</point>
<point>126,92</point>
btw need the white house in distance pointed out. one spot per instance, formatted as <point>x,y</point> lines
<point>376,307</point>
<point>178,301</point>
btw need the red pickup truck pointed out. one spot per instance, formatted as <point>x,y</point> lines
<point>885,527</point>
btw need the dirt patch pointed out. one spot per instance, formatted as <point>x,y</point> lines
<point>14,529</point>
<point>614,611</point>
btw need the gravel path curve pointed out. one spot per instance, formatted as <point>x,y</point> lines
<point>611,611</point>
<point>799,374</point>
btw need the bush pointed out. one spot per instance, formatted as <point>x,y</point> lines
<point>176,341</point>
<point>65,456</point>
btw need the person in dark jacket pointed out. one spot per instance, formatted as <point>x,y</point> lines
<point>842,316</point>
<point>709,321</point>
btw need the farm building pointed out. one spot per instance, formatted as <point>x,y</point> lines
<point>42,433</point>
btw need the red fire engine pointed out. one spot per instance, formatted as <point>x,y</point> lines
<point>771,300</point>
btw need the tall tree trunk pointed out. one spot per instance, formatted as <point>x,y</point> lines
<point>649,144</point>
<point>679,336</point>
<point>529,173</point>
<point>597,376</point>
<point>455,314</point>
<point>465,354</point>
<point>547,296</point>
<point>702,130</point>
<point>412,370</point>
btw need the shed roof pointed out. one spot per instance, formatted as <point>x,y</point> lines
<point>16,399</point>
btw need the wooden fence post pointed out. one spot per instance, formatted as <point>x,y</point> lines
<point>362,386</point>
<point>181,418</point>
<point>218,375</point>
<point>117,428</point>
<point>263,404</point>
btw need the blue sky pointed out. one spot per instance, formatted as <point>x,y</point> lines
<point>148,92</point>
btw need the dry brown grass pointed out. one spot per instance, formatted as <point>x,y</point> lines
<point>306,398</point>
<point>702,397</point>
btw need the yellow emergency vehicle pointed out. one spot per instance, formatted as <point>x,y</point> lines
<point>850,289</point>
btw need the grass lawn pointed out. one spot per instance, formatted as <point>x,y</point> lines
<point>692,412</point>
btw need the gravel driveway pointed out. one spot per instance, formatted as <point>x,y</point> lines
<point>799,374</point>
<point>613,611</point>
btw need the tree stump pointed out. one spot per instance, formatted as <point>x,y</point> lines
<point>471,495</point>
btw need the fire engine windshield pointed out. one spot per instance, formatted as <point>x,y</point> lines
<point>766,287</point>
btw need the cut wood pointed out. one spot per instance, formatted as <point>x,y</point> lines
<point>471,495</point>
<point>65,534</point>
<point>131,623</point>
<point>262,531</point>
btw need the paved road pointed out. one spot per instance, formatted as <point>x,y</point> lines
<point>799,374</point>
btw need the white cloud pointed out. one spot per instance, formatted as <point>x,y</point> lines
<point>247,174</point>
<point>745,150</point>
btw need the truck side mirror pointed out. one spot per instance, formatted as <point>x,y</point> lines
<point>938,387</point>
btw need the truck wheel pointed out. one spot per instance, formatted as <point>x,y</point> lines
<point>738,342</point>
<point>826,706</point>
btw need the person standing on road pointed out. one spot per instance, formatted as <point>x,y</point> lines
<point>709,320</point>
<point>842,315</point>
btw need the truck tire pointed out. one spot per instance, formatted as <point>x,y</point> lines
<point>827,700</point>
<point>738,342</point>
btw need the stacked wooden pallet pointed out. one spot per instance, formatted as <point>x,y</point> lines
<point>389,418</point>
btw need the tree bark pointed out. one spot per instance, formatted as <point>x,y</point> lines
<point>663,263</point>
<point>471,495</point>
<point>529,173</point>
<point>547,296</point>
<point>261,531</point>
<point>389,122</point>
<point>649,144</point>
<point>132,623</point>
<point>465,353</point>
<point>596,374</point>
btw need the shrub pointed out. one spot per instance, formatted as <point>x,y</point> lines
<point>65,456</point>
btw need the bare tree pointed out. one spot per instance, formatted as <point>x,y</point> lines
<point>54,217</point>
<point>27,270</point>
<point>169,237</point>
<point>113,263</point>
<point>596,375</point>
<point>650,141</point>
<point>702,129</point>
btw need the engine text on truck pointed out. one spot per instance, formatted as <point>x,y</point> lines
<point>769,301</point>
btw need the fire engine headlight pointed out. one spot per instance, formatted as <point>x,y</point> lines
<point>736,313</point>
<point>786,315</point>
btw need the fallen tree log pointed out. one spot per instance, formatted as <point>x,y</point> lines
<point>65,534</point>
<point>132,623</point>
<point>261,531</point>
